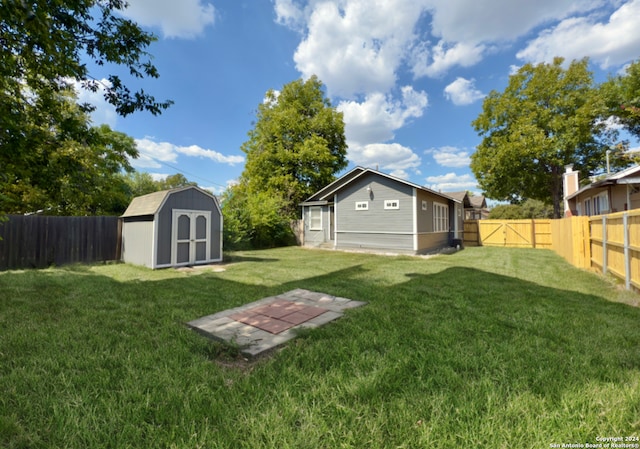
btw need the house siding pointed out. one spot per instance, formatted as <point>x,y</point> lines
<point>316,237</point>
<point>432,241</point>
<point>376,227</point>
<point>403,227</point>
<point>429,240</point>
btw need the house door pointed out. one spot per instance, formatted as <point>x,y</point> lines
<point>191,237</point>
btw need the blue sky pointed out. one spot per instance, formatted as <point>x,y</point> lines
<point>409,75</point>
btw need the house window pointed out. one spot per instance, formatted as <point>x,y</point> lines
<point>362,205</point>
<point>587,207</point>
<point>424,205</point>
<point>392,204</point>
<point>315,218</point>
<point>602,200</point>
<point>440,217</point>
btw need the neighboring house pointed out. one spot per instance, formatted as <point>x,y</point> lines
<point>367,209</point>
<point>613,193</point>
<point>475,206</point>
<point>172,228</point>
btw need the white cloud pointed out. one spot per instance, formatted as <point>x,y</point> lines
<point>371,123</point>
<point>451,182</point>
<point>385,156</point>
<point>152,154</point>
<point>607,43</point>
<point>196,151</point>
<point>289,14</point>
<point>353,46</point>
<point>450,156</point>
<point>474,21</point>
<point>462,92</point>
<point>378,116</point>
<point>183,19</point>
<point>436,61</point>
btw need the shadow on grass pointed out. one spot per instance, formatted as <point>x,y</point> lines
<point>460,336</point>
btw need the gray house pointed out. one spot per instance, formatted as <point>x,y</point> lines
<point>371,210</point>
<point>172,228</point>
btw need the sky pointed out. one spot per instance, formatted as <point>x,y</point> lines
<point>409,76</point>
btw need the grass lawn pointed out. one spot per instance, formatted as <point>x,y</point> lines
<point>488,347</point>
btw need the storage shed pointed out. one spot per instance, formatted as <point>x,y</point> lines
<point>172,228</point>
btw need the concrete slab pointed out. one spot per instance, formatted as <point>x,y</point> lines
<point>272,321</point>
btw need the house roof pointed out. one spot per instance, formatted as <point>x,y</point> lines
<point>478,201</point>
<point>629,175</point>
<point>151,203</point>
<point>327,192</point>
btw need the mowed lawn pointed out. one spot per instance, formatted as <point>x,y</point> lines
<point>488,347</point>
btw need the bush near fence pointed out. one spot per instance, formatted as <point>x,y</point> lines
<point>37,241</point>
<point>609,244</point>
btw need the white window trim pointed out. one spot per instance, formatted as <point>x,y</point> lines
<point>425,205</point>
<point>392,204</point>
<point>440,217</point>
<point>311,226</point>
<point>362,205</point>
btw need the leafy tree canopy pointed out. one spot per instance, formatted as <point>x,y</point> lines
<point>528,209</point>
<point>70,167</point>
<point>45,43</point>
<point>622,94</point>
<point>51,157</point>
<point>547,117</point>
<point>296,148</point>
<point>297,145</point>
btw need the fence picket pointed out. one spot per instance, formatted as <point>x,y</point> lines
<point>39,241</point>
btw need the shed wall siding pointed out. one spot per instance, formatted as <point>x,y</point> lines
<point>188,200</point>
<point>137,242</point>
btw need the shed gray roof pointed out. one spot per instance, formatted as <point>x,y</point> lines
<point>146,204</point>
<point>150,204</point>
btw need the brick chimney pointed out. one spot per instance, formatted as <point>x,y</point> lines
<point>569,187</point>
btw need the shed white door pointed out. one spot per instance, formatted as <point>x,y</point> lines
<point>191,237</point>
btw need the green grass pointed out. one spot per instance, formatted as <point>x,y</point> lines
<point>488,347</point>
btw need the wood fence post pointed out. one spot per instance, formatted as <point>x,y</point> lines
<point>627,255</point>
<point>604,244</point>
<point>586,232</point>
<point>533,233</point>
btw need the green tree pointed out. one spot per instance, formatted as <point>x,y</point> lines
<point>140,183</point>
<point>254,221</point>
<point>296,147</point>
<point>44,47</point>
<point>547,117</point>
<point>71,168</point>
<point>175,181</point>
<point>528,209</point>
<point>622,95</point>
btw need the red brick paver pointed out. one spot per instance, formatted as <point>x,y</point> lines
<point>278,316</point>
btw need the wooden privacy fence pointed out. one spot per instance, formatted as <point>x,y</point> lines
<point>606,243</point>
<point>40,241</point>
<point>615,246</point>
<point>511,233</point>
